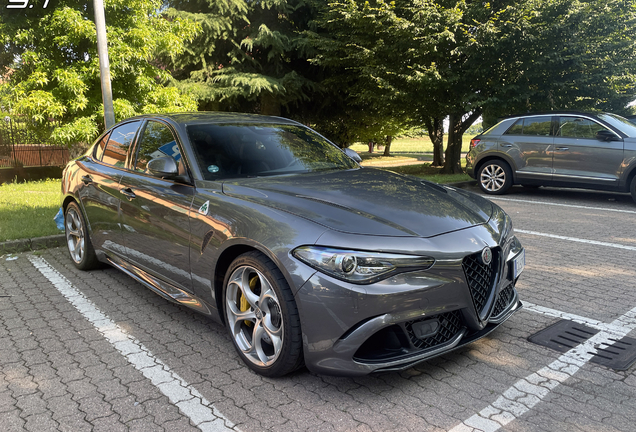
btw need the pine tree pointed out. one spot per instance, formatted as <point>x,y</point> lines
<point>249,56</point>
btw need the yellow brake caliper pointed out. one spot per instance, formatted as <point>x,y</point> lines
<point>244,305</point>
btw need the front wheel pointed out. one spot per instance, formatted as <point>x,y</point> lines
<point>632,188</point>
<point>495,177</point>
<point>261,316</point>
<point>77,239</point>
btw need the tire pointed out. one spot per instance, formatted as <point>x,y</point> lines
<point>78,241</point>
<point>494,177</point>
<point>632,188</point>
<point>261,316</point>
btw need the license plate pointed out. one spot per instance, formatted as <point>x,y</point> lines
<point>519,263</point>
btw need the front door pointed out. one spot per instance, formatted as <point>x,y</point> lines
<point>154,211</point>
<point>579,157</point>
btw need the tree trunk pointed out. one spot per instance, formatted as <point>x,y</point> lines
<point>454,146</point>
<point>387,145</point>
<point>457,125</point>
<point>435,128</point>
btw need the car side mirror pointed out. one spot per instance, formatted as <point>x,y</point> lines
<point>353,155</point>
<point>164,166</point>
<point>605,135</point>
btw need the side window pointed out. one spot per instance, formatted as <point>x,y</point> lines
<point>119,143</point>
<point>156,141</point>
<point>516,129</point>
<point>534,126</point>
<point>100,147</point>
<point>578,127</point>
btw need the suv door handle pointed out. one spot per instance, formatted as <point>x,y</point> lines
<point>563,148</point>
<point>128,193</point>
<point>506,145</point>
<point>87,179</point>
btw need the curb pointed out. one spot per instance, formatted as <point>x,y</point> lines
<point>463,184</point>
<point>37,243</point>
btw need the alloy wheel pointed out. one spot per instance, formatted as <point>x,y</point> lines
<point>75,236</point>
<point>493,178</point>
<point>254,316</point>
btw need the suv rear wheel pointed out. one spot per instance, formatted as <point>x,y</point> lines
<point>495,177</point>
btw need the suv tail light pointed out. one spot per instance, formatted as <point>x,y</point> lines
<point>474,142</point>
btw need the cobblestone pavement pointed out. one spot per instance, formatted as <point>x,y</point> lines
<point>98,351</point>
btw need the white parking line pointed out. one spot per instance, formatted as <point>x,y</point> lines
<point>561,205</point>
<point>529,391</point>
<point>191,403</point>
<point>574,239</point>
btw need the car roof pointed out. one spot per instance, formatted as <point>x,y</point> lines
<point>553,113</point>
<point>207,117</point>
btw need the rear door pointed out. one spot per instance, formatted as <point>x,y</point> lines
<point>154,211</point>
<point>581,158</point>
<point>529,143</point>
<point>100,195</point>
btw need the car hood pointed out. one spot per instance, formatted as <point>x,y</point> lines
<point>367,201</point>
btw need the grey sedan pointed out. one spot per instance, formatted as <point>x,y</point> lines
<point>565,149</point>
<point>307,258</point>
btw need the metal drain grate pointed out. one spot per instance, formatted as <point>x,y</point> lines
<point>618,356</point>
<point>564,335</point>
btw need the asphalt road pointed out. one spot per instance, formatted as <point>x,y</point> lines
<point>97,351</point>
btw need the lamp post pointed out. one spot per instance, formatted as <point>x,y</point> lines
<point>104,65</point>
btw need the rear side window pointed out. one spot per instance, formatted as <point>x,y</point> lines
<point>533,126</point>
<point>100,147</point>
<point>119,143</point>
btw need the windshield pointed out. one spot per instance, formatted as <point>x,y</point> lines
<point>620,123</point>
<point>250,150</point>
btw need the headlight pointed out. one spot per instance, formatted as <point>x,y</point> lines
<point>357,266</point>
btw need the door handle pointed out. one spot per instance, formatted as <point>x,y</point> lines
<point>506,145</point>
<point>563,148</point>
<point>86,179</point>
<point>128,193</point>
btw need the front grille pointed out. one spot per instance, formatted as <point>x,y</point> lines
<point>503,300</point>
<point>450,324</point>
<point>480,278</point>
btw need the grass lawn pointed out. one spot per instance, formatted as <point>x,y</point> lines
<point>416,145</point>
<point>427,172</point>
<point>27,209</point>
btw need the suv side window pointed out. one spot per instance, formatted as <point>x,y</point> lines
<point>121,138</point>
<point>578,127</point>
<point>534,126</point>
<point>156,141</point>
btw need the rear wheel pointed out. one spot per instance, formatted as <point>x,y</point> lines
<point>77,239</point>
<point>261,316</point>
<point>632,188</point>
<point>495,177</point>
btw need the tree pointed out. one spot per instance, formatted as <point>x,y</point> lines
<point>50,69</point>
<point>458,59</point>
<point>250,56</point>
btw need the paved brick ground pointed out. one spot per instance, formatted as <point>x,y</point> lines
<point>58,372</point>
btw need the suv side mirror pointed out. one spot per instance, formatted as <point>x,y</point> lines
<point>353,155</point>
<point>605,135</point>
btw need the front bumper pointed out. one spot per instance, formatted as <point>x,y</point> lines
<point>394,324</point>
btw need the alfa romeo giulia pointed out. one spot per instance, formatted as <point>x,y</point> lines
<point>282,237</point>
